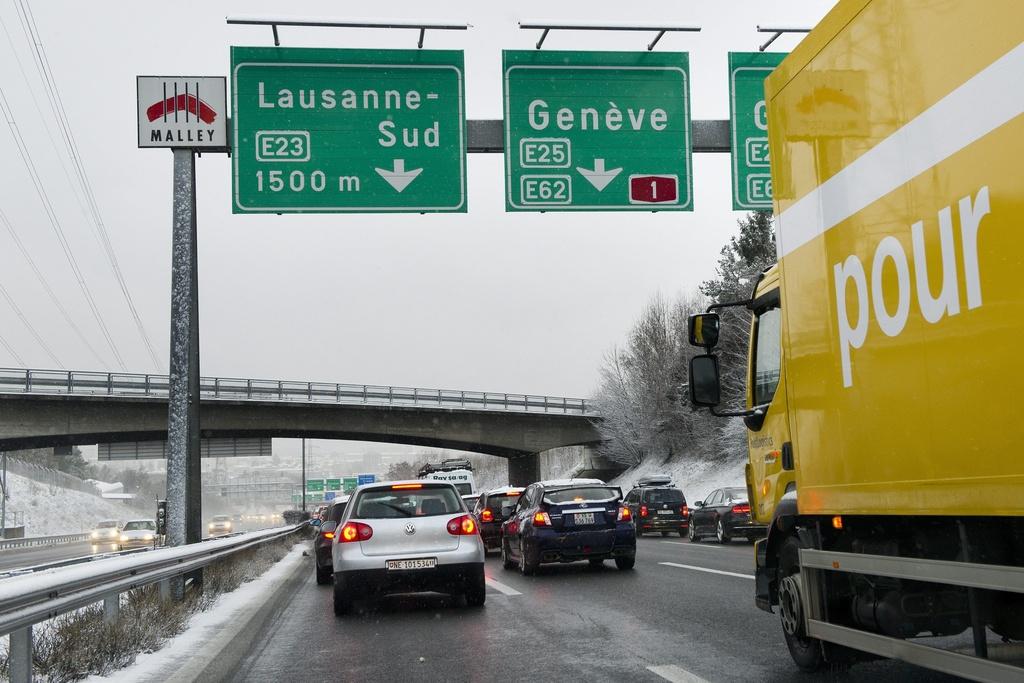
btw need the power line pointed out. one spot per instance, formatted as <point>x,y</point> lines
<point>26,158</point>
<point>10,350</point>
<point>49,290</point>
<point>99,227</point>
<point>39,340</point>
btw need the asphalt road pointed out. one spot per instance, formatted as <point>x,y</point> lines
<point>691,620</point>
<point>16,558</point>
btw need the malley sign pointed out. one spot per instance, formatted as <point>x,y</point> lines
<point>182,111</point>
<point>597,131</point>
<point>331,130</point>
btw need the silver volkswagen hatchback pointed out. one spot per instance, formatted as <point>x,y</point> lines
<point>407,536</point>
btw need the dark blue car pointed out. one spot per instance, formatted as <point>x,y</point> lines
<point>568,520</point>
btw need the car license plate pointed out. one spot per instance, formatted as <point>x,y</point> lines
<point>583,518</point>
<point>423,563</point>
<point>664,512</point>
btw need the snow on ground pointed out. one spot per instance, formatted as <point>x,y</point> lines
<point>203,626</point>
<point>53,510</point>
<point>696,479</point>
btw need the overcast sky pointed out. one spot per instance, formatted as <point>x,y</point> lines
<point>488,300</point>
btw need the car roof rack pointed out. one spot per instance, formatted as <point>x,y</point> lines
<point>654,480</point>
<point>446,466</point>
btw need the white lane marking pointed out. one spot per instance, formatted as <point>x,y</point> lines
<point>502,588</point>
<point>695,545</point>
<point>972,111</point>
<point>705,569</point>
<point>671,672</point>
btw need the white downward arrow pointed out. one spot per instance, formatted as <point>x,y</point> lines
<point>599,177</point>
<point>399,178</point>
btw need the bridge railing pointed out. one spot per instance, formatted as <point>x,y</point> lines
<point>77,382</point>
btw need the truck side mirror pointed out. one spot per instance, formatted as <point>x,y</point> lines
<point>705,385</point>
<point>703,328</point>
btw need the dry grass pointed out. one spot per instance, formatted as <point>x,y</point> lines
<point>79,644</point>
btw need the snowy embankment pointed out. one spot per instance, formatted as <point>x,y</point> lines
<point>52,510</point>
<point>696,480</point>
<point>190,651</point>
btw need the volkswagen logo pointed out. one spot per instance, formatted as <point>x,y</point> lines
<point>410,528</point>
<point>582,505</point>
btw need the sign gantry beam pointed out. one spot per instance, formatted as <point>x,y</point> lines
<point>659,29</point>
<point>777,33</point>
<point>274,22</point>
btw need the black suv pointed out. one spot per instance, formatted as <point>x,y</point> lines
<point>658,505</point>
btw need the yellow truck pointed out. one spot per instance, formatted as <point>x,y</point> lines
<point>886,352</point>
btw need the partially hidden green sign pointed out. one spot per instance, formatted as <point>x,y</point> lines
<point>349,484</point>
<point>314,485</point>
<point>748,124</point>
<point>597,131</point>
<point>333,130</point>
<point>334,484</point>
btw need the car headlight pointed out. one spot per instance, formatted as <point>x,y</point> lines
<point>147,537</point>
<point>123,538</point>
<point>95,534</point>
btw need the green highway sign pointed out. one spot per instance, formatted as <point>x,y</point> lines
<point>597,131</point>
<point>333,131</point>
<point>334,484</point>
<point>748,128</point>
<point>349,484</point>
<point>314,485</point>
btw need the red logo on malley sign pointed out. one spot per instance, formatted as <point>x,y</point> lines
<point>187,103</point>
<point>182,112</point>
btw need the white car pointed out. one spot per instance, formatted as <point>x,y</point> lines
<point>138,533</point>
<point>105,533</point>
<point>220,525</point>
<point>407,536</point>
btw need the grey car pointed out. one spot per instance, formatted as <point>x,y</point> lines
<point>407,536</point>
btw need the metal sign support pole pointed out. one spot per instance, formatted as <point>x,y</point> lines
<point>183,456</point>
<point>303,475</point>
<point>3,498</point>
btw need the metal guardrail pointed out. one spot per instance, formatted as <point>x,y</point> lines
<point>41,540</point>
<point>29,599</point>
<point>81,383</point>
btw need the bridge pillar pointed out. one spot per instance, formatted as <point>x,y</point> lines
<point>523,470</point>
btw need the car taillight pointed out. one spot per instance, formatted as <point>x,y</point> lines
<point>684,511</point>
<point>643,510</point>
<point>327,534</point>
<point>462,526</point>
<point>742,509</point>
<point>487,515</point>
<point>541,519</point>
<point>355,531</point>
<point>625,515</point>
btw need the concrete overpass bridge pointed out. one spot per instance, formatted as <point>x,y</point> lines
<point>42,408</point>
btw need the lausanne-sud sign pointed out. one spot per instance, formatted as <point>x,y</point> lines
<point>597,131</point>
<point>332,130</point>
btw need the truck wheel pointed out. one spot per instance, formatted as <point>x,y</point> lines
<point>723,537</point>
<point>805,651</point>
